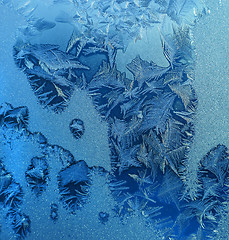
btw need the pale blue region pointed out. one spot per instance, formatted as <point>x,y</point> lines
<point>56,128</point>
<point>211,36</point>
<point>14,86</point>
<point>212,86</point>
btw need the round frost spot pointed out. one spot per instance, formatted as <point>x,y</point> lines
<point>77,128</point>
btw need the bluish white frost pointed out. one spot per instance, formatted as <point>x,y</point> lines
<point>199,209</point>
<point>57,156</point>
<point>173,14</point>
<point>21,223</point>
<point>52,73</point>
<point>167,193</point>
<point>161,110</point>
<point>50,58</point>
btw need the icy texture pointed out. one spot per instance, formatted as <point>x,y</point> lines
<point>211,85</point>
<point>128,174</point>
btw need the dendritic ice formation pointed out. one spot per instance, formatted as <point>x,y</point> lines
<point>50,72</point>
<point>73,185</point>
<point>150,191</point>
<point>150,119</point>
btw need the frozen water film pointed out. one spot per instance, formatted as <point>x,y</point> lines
<point>114,119</point>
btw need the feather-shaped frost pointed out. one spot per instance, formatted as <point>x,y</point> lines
<point>212,189</point>
<point>50,58</point>
<point>143,178</point>
<point>170,189</point>
<point>216,161</point>
<point>93,50</point>
<point>185,11</point>
<point>158,155</point>
<point>5,179</point>
<point>186,94</point>
<point>172,137</point>
<point>39,73</point>
<point>73,182</point>
<point>51,73</point>
<point>178,49</point>
<point>124,158</point>
<point>156,113</point>
<point>204,210</point>
<point>132,108</point>
<point>107,88</point>
<point>15,117</point>
<point>4,108</point>
<point>154,150</point>
<point>37,175</point>
<point>12,195</point>
<point>77,42</point>
<point>52,92</point>
<point>20,222</point>
<point>111,52</point>
<point>116,22</point>
<point>144,71</point>
<point>175,143</point>
<point>124,133</point>
<point>144,156</point>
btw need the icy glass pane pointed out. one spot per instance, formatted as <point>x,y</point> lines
<point>114,119</point>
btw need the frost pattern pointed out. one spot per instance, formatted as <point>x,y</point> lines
<point>150,121</point>
<point>51,73</point>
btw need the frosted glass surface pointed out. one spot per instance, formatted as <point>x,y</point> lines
<point>114,119</point>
